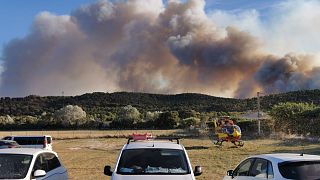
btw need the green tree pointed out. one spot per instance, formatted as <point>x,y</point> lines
<point>6,120</point>
<point>167,120</point>
<point>183,114</point>
<point>191,121</point>
<point>288,116</point>
<point>47,119</point>
<point>152,116</point>
<point>127,117</point>
<point>70,115</point>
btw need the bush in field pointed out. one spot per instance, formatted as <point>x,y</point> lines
<point>127,117</point>
<point>26,120</point>
<point>129,112</point>
<point>152,116</point>
<point>183,114</point>
<point>310,122</point>
<point>47,120</point>
<point>70,116</point>
<point>191,121</point>
<point>148,120</point>
<point>109,116</point>
<point>291,117</point>
<point>6,120</point>
<point>167,120</point>
<point>100,120</point>
<point>249,127</point>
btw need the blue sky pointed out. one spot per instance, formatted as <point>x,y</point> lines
<point>17,16</point>
<point>241,4</point>
<point>263,6</point>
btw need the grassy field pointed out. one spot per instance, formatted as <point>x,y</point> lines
<point>85,153</point>
<point>86,158</point>
<point>81,134</point>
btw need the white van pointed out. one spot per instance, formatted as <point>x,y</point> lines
<point>42,142</point>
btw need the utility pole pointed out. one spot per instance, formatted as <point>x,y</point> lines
<point>259,123</point>
<point>62,98</point>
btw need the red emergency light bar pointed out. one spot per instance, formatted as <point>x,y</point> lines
<point>145,136</point>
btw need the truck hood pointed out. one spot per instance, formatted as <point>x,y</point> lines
<point>153,177</point>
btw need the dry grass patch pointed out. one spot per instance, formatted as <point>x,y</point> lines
<point>80,134</point>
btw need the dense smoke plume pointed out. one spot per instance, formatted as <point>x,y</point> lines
<point>146,46</point>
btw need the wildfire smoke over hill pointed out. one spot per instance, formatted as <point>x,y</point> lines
<point>147,46</point>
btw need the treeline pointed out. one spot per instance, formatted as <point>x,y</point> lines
<point>103,103</point>
<point>290,118</point>
<point>127,117</point>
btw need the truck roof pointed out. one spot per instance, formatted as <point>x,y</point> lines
<point>153,144</point>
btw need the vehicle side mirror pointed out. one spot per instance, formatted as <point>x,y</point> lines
<point>197,171</point>
<point>230,173</point>
<point>39,173</point>
<point>107,171</point>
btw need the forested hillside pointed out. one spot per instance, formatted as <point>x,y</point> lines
<point>102,103</point>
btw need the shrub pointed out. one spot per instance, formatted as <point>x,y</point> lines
<point>70,116</point>
<point>191,121</point>
<point>126,118</point>
<point>294,117</point>
<point>167,120</point>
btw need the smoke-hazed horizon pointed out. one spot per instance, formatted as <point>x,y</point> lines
<point>148,46</point>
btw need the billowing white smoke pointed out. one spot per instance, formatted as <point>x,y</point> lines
<point>146,46</point>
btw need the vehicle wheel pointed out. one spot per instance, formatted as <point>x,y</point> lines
<point>218,143</point>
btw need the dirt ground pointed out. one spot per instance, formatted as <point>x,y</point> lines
<point>86,158</point>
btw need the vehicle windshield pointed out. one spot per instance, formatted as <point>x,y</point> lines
<point>14,166</point>
<point>3,143</point>
<point>305,170</point>
<point>153,161</point>
<point>29,140</point>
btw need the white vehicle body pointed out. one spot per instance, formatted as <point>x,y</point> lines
<point>30,163</point>
<point>166,148</point>
<point>271,166</point>
<point>41,142</point>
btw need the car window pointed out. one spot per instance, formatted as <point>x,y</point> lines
<point>29,140</point>
<point>259,168</point>
<point>40,164</point>
<point>48,140</point>
<point>303,170</point>
<point>14,166</point>
<point>7,138</point>
<point>8,143</point>
<point>243,168</point>
<point>153,161</point>
<point>53,161</point>
<point>46,162</point>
